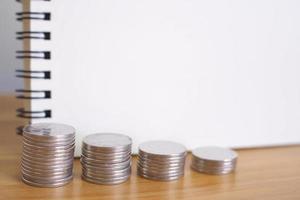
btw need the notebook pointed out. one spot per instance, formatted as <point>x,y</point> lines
<point>220,72</point>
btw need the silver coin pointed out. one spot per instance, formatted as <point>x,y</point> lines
<point>214,160</point>
<point>46,181</point>
<point>161,158</point>
<point>162,148</point>
<point>101,161</point>
<point>45,177</point>
<point>107,141</point>
<point>49,169</point>
<point>106,167</point>
<point>55,184</point>
<point>50,130</point>
<point>59,137</point>
<point>100,170</point>
<point>214,154</point>
<point>47,152</point>
<point>119,150</point>
<point>104,156</point>
<point>48,157</point>
<point>47,162</point>
<point>160,175</point>
<point>106,179</point>
<point>213,172</point>
<point>157,178</point>
<point>115,151</point>
<point>46,139</point>
<point>105,182</point>
<point>36,158</point>
<point>107,159</point>
<point>39,157</point>
<point>48,144</point>
<point>106,175</point>
<point>107,170</point>
<point>50,148</point>
<point>162,162</point>
<point>42,139</point>
<point>45,173</point>
<point>160,172</point>
<point>213,167</point>
<point>104,170</point>
<point>213,163</point>
<point>160,167</point>
<point>45,167</point>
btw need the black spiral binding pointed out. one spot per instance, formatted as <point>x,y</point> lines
<point>33,16</point>
<point>33,35</point>
<point>33,74</point>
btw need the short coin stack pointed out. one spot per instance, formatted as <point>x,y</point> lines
<point>214,160</point>
<point>161,160</point>
<point>48,151</point>
<point>106,158</point>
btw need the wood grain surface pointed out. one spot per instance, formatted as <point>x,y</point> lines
<point>269,173</point>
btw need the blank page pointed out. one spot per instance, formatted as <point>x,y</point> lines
<point>220,72</point>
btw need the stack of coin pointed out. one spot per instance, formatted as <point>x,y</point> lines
<point>106,158</point>
<point>214,160</point>
<point>161,160</point>
<point>48,151</point>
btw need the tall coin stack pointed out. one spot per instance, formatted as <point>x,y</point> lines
<point>214,160</point>
<point>48,151</point>
<point>161,160</point>
<point>106,158</point>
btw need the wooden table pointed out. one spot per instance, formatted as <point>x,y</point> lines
<point>270,173</point>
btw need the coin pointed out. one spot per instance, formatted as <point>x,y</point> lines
<point>161,160</point>
<point>162,149</point>
<point>107,141</point>
<point>159,178</point>
<point>106,158</point>
<point>51,184</point>
<point>49,130</point>
<point>214,160</point>
<point>105,182</point>
<point>47,156</point>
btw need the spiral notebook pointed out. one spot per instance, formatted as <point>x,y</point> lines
<point>221,72</point>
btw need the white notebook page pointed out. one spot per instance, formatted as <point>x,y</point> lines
<point>197,72</point>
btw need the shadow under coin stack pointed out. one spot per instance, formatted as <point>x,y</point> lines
<point>214,160</point>
<point>161,160</point>
<point>48,152</point>
<point>106,158</point>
